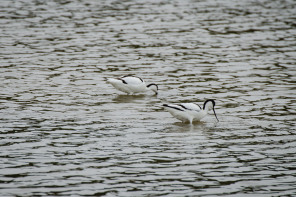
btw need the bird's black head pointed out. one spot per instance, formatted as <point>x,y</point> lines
<point>210,104</point>
<point>207,101</point>
<point>153,87</point>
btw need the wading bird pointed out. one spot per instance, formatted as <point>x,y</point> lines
<point>189,111</point>
<point>131,84</point>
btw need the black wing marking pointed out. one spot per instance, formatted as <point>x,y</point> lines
<point>133,76</point>
<point>173,107</point>
<point>186,108</point>
<point>183,107</point>
<point>122,80</point>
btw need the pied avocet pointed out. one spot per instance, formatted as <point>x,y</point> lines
<point>131,84</point>
<point>190,111</point>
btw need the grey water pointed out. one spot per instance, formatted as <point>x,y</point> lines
<point>66,132</point>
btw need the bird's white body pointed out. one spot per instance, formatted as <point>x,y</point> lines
<point>190,112</point>
<point>131,84</point>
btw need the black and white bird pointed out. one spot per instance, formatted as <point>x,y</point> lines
<point>132,84</point>
<point>189,112</point>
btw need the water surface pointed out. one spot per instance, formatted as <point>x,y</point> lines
<point>65,131</point>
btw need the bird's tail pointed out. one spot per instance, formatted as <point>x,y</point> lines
<point>111,80</point>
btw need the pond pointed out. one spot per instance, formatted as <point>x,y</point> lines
<point>65,131</point>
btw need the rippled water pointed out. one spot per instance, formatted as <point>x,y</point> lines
<point>64,131</point>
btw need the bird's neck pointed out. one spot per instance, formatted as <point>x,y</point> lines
<point>206,108</point>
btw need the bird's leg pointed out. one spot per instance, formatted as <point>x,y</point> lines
<point>190,120</point>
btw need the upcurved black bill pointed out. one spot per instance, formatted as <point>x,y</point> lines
<point>215,114</point>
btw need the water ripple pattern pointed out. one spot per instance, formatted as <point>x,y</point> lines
<point>66,132</point>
